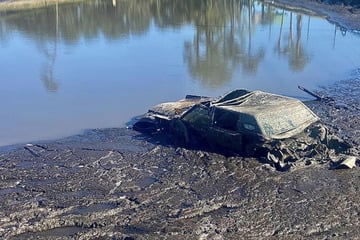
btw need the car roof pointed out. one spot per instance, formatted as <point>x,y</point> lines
<point>277,116</point>
<point>255,102</point>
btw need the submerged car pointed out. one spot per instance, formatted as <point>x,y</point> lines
<point>236,120</point>
<point>249,122</point>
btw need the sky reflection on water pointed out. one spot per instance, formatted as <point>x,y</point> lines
<point>95,64</point>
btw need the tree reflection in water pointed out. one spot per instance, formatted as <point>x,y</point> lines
<point>293,50</point>
<point>222,44</point>
<point>49,50</point>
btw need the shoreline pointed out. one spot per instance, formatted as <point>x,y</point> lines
<point>344,16</point>
<point>13,5</point>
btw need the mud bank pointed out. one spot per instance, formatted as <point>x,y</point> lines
<point>119,184</point>
<point>9,5</point>
<point>347,17</point>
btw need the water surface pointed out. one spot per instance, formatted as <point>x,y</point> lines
<point>95,64</point>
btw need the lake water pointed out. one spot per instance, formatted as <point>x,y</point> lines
<point>94,64</point>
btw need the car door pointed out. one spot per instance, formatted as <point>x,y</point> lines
<point>224,131</point>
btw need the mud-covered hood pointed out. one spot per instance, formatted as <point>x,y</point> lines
<point>170,110</point>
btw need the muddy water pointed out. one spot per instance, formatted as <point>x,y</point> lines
<point>83,65</point>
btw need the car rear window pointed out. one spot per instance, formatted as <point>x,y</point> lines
<point>283,119</point>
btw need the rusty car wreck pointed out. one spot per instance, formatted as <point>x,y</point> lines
<point>280,129</point>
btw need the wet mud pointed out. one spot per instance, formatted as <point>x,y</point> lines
<point>120,184</point>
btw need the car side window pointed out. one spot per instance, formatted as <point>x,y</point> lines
<point>249,126</point>
<point>226,119</point>
<point>247,123</point>
<point>197,115</point>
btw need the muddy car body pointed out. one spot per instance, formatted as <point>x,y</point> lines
<point>243,121</point>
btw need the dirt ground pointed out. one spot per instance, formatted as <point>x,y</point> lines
<point>120,184</point>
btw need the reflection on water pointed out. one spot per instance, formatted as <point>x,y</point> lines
<point>97,63</point>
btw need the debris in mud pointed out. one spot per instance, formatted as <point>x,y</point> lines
<point>280,129</point>
<point>345,162</point>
